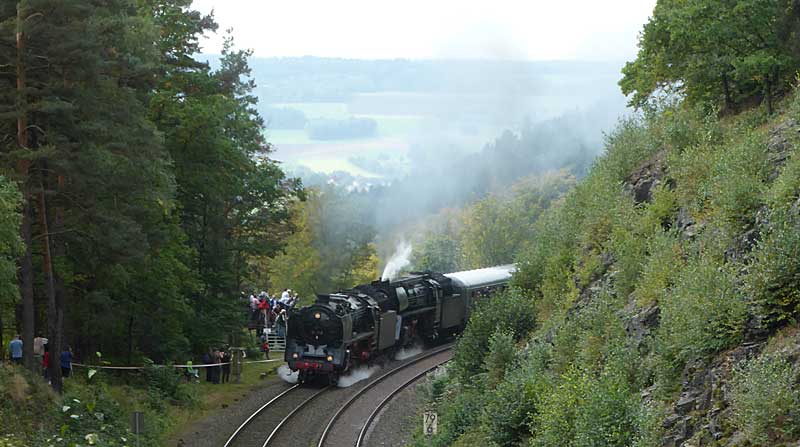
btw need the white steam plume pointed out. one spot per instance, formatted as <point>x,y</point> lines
<point>287,375</point>
<point>401,258</point>
<point>356,375</point>
<point>408,353</point>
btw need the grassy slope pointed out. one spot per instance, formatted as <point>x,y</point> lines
<point>641,306</point>
<point>32,415</point>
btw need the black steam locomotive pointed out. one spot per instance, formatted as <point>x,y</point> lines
<point>355,326</point>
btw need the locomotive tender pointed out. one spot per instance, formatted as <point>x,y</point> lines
<point>354,326</point>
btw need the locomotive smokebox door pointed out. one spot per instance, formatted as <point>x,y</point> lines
<point>387,329</point>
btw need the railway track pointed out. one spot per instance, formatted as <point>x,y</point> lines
<point>264,429</point>
<point>252,431</point>
<point>349,425</point>
<point>362,434</point>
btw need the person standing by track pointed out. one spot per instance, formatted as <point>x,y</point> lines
<point>66,362</point>
<point>15,350</point>
<point>38,350</point>
<point>46,363</point>
<point>226,365</point>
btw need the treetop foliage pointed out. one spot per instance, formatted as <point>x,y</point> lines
<point>726,53</point>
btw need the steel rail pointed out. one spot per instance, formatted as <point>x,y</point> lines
<point>370,385</point>
<point>291,413</point>
<point>362,434</point>
<point>256,413</point>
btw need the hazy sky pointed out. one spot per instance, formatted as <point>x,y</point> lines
<point>424,29</point>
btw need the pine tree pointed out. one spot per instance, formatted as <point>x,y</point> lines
<point>233,200</point>
<point>97,177</point>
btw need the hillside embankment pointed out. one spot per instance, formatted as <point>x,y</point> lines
<point>657,304</point>
<point>97,410</point>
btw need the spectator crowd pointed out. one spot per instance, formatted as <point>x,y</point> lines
<point>271,311</point>
<point>268,314</point>
<point>41,356</point>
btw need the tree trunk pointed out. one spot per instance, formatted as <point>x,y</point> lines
<point>769,93</point>
<point>130,338</point>
<point>26,286</point>
<point>54,344</point>
<point>26,265</point>
<point>54,316</point>
<point>726,88</point>
<point>60,292</point>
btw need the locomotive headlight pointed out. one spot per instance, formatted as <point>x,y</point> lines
<point>317,315</point>
<point>294,355</point>
<point>329,358</point>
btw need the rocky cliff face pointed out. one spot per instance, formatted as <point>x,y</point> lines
<point>701,414</point>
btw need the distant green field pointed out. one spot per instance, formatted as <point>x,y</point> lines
<point>396,126</point>
<point>288,136</point>
<point>315,110</point>
<point>388,125</point>
<point>395,131</point>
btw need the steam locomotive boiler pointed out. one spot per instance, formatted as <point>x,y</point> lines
<point>354,326</point>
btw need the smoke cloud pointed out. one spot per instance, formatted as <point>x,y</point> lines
<point>400,259</point>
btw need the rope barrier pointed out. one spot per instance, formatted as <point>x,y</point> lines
<point>206,365</point>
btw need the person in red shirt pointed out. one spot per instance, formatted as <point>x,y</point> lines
<point>263,307</point>
<point>265,346</point>
<point>46,362</point>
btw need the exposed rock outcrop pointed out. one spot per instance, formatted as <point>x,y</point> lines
<point>780,144</point>
<point>646,177</point>
<point>702,412</point>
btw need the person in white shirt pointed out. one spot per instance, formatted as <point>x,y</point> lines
<point>253,303</point>
<point>38,351</point>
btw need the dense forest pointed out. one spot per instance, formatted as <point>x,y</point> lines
<point>137,177</point>
<point>656,301</point>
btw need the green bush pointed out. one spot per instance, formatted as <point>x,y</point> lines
<point>765,399</point>
<point>509,409</point>
<point>589,337</point>
<point>544,271</point>
<point>676,127</point>
<point>606,415</point>
<point>774,273</point>
<point>628,145</point>
<point>510,311</point>
<point>723,179</point>
<point>661,267</point>
<point>691,169</point>
<point>586,410</point>
<point>629,251</point>
<point>738,179</point>
<point>703,313</point>
<point>89,416</point>
<point>786,188</point>
<point>459,411</point>
<point>650,425</point>
<point>554,424</point>
<point>501,356</point>
<point>661,211</point>
<point>164,382</point>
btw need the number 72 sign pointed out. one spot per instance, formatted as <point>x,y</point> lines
<point>429,423</point>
